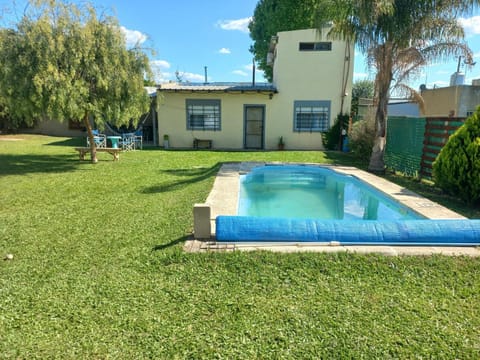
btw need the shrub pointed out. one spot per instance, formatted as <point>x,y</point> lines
<point>331,138</point>
<point>457,168</point>
<point>362,136</point>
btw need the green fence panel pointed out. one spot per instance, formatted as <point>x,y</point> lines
<point>405,137</point>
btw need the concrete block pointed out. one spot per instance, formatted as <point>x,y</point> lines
<point>201,221</point>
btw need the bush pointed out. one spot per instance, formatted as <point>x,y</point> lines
<point>331,138</point>
<point>362,136</point>
<point>457,168</point>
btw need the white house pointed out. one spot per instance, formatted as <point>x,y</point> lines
<point>312,81</point>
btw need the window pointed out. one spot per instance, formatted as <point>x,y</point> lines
<point>75,125</point>
<point>311,115</point>
<point>315,46</point>
<point>203,114</point>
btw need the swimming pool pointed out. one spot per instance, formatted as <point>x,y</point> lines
<point>356,226</point>
<point>295,191</point>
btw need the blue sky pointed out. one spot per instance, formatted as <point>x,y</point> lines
<point>188,35</point>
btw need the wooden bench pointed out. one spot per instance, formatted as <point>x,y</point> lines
<point>113,151</point>
<point>202,144</point>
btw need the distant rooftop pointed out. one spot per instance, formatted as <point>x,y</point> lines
<point>218,87</point>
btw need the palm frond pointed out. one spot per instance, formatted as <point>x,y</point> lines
<point>404,91</point>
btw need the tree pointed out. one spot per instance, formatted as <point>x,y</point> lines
<point>399,37</point>
<point>64,62</point>
<point>362,89</point>
<point>272,16</point>
<point>457,168</point>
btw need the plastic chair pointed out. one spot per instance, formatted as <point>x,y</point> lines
<point>99,139</point>
<point>138,139</point>
<point>128,141</point>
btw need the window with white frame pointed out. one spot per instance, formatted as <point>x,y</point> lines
<point>311,116</point>
<point>203,114</point>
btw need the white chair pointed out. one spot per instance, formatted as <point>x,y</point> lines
<point>128,141</point>
<point>138,139</point>
<point>99,139</point>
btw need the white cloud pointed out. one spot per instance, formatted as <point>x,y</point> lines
<point>471,25</point>
<point>438,83</point>
<point>240,72</point>
<point>360,76</point>
<point>133,37</point>
<point>159,69</point>
<point>239,24</point>
<point>186,76</point>
<point>161,64</point>
<point>224,51</point>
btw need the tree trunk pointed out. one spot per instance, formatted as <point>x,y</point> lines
<point>93,147</point>
<point>377,163</point>
<point>383,59</point>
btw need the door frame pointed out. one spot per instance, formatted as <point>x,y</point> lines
<point>245,107</point>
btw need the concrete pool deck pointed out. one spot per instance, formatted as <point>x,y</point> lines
<point>223,200</point>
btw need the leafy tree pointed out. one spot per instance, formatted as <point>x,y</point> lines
<point>272,16</point>
<point>457,168</point>
<point>362,89</point>
<point>64,62</point>
<point>399,37</point>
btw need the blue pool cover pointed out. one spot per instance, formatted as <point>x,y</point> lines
<point>369,232</point>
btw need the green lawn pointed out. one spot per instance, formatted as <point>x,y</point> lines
<point>99,271</point>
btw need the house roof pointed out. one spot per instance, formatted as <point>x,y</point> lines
<point>218,87</point>
<point>151,90</point>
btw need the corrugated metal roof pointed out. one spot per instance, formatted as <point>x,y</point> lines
<point>218,87</point>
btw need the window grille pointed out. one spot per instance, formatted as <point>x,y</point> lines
<point>311,116</point>
<point>203,114</point>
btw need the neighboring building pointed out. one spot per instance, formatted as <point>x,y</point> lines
<point>72,128</point>
<point>403,107</point>
<point>395,107</point>
<point>312,81</point>
<point>453,101</point>
<point>57,128</point>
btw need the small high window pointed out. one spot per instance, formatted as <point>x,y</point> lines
<point>203,114</point>
<point>315,46</point>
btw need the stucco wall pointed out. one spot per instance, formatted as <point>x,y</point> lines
<point>456,100</point>
<point>313,75</point>
<point>172,118</point>
<point>441,101</point>
<point>54,128</point>
<point>469,100</point>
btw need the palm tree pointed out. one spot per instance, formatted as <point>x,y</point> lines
<point>399,37</point>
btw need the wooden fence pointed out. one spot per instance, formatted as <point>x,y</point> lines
<point>437,132</point>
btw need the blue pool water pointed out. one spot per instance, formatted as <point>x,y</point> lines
<point>296,191</point>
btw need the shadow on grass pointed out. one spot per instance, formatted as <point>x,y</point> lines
<point>196,175</point>
<point>172,243</point>
<point>28,164</point>
<point>75,141</point>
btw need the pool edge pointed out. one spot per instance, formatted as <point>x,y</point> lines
<point>223,200</point>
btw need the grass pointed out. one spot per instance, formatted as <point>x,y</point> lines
<point>99,271</point>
